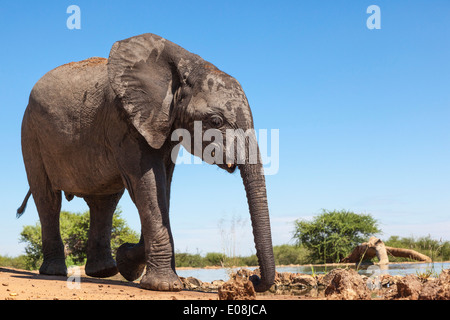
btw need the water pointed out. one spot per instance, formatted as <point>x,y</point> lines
<point>393,269</point>
<point>403,269</point>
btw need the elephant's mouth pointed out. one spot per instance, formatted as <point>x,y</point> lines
<point>228,167</point>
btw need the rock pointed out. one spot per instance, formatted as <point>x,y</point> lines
<point>409,287</point>
<point>412,287</point>
<point>438,289</point>
<point>305,280</point>
<point>320,280</point>
<point>195,284</point>
<point>430,290</point>
<point>445,276</point>
<point>217,283</point>
<point>191,283</point>
<point>325,280</point>
<point>283,278</point>
<point>237,289</point>
<point>388,281</point>
<point>346,285</point>
<point>245,274</point>
<point>194,281</point>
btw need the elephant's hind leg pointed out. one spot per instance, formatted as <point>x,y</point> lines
<point>48,205</point>
<point>100,263</point>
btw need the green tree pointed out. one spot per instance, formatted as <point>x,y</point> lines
<point>33,251</point>
<point>331,235</point>
<point>74,228</point>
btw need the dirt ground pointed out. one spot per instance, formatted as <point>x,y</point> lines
<point>18,284</point>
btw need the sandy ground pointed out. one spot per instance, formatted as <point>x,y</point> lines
<point>18,284</point>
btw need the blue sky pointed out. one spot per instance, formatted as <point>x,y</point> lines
<point>363,115</point>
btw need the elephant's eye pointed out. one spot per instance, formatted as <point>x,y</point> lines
<point>216,121</point>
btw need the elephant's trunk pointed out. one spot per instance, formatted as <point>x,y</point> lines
<point>255,187</point>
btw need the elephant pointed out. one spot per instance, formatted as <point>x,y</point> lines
<point>96,127</point>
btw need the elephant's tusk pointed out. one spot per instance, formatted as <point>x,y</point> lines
<point>229,165</point>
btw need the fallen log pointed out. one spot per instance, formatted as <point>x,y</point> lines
<point>408,253</point>
<point>376,247</point>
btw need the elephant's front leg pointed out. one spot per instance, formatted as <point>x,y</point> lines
<point>149,192</point>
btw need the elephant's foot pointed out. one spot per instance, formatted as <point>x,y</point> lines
<point>130,260</point>
<point>161,281</point>
<point>101,268</point>
<point>54,267</point>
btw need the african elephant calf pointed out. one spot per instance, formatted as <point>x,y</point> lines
<point>97,127</point>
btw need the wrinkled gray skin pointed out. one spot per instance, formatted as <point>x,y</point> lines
<point>97,127</point>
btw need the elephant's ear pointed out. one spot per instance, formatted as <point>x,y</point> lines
<point>143,74</point>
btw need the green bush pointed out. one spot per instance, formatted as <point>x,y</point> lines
<point>74,228</point>
<point>290,254</point>
<point>214,259</point>
<point>18,262</point>
<point>330,236</point>
<point>189,260</point>
<point>249,261</point>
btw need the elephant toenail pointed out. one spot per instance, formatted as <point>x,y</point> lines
<point>164,286</point>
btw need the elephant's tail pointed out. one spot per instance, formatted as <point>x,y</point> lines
<point>22,208</point>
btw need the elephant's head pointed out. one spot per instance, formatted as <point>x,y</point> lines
<point>163,88</point>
